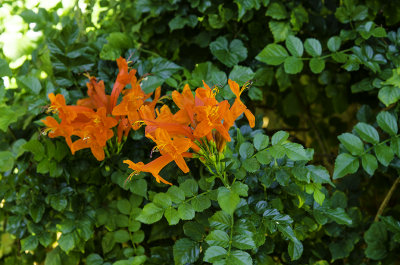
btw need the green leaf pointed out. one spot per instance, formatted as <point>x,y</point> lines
<point>228,200</point>
<point>121,236</point>
<point>261,141</point>
<point>295,249</point>
<point>139,187</point>
<point>367,132</point>
<point>186,211</point>
<point>180,22</point>
<point>53,257</point>
<point>319,196</point>
<point>240,188</point>
<point>279,137</point>
<point>251,164</point>
<point>294,45</point>
<point>313,47</point>
<point>369,163</point>
<point>352,143</point>
<point>176,194</point>
<point>317,65</point>
<point>172,216</point>
<point>218,238</point>
<point>293,65</point>
<point>280,30</point>
<point>264,157</point>
<point>163,200</point>
<point>295,151</point>
<point>200,203</point>
<point>334,43</point>
<point>209,73</point>
<point>276,11</point>
<point>190,187</point>
<point>94,259</point>
<point>124,206</point>
<point>67,242</point>
<point>395,145</point>
<point>186,251</point>
<point>58,203</point>
<point>214,253</point>
<point>241,74</point>
<point>345,164</point>
<point>228,55</point>
<point>30,83</point>
<point>319,174</point>
<point>246,150</point>
<point>4,68</point>
<point>389,95</point>
<point>387,122</point>
<point>243,240</point>
<point>220,220</point>
<point>273,54</point>
<point>29,243</point>
<point>9,115</point>
<point>6,161</point>
<point>384,154</point>
<point>194,230</point>
<point>151,213</point>
<point>376,238</point>
<point>238,257</point>
<point>338,215</point>
<point>108,242</point>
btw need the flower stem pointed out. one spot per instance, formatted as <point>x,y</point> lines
<point>386,200</point>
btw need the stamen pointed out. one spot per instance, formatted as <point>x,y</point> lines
<point>215,90</point>
<point>139,123</point>
<point>246,85</point>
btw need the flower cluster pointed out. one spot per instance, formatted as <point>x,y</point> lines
<point>201,123</point>
<point>91,122</point>
<point>199,128</point>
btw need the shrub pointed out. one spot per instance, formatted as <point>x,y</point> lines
<point>310,178</point>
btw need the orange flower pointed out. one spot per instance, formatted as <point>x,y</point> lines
<point>55,129</point>
<point>124,77</point>
<point>174,148</point>
<point>154,167</point>
<point>97,95</point>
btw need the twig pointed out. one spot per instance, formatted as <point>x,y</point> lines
<point>386,200</point>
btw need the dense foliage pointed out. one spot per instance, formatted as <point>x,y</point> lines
<point>313,182</point>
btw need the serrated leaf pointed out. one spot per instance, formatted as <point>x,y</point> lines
<point>251,164</point>
<point>218,238</point>
<point>124,206</point>
<point>186,251</point>
<point>369,163</point>
<point>67,242</point>
<point>317,65</point>
<point>294,45</point>
<point>29,243</point>
<point>151,213</point>
<point>220,220</point>
<point>190,187</point>
<point>319,174</point>
<point>334,43</point>
<point>238,257</point>
<point>345,164</point>
<point>389,95</point>
<point>176,194</point>
<point>338,215</point>
<point>387,122</point>
<point>214,253</point>
<point>367,132</point>
<point>228,200</point>
<point>261,141</point>
<point>352,143</point>
<point>171,214</point>
<point>276,10</point>
<point>384,154</point>
<point>186,211</point>
<point>246,150</point>
<point>279,137</point>
<point>293,65</point>
<point>313,47</point>
<point>279,30</point>
<point>163,200</point>
<point>200,203</point>
<point>240,188</point>
<point>295,151</point>
<point>229,54</point>
<point>295,249</point>
<point>273,54</point>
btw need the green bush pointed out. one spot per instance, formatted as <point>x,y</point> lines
<point>314,182</point>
